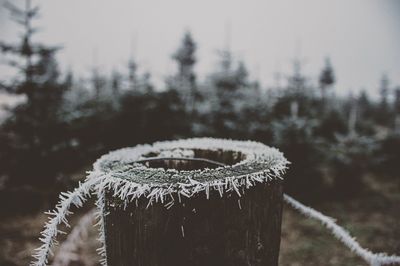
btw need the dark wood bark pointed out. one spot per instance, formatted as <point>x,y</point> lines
<point>227,231</point>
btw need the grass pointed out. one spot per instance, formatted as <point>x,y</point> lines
<point>372,217</point>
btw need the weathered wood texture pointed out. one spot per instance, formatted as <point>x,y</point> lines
<point>227,231</point>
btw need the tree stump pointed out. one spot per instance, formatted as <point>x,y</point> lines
<point>204,214</point>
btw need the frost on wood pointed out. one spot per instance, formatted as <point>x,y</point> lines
<point>118,172</point>
<point>266,162</point>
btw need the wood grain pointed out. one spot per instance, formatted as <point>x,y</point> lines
<point>227,231</point>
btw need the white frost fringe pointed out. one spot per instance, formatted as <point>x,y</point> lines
<point>129,191</point>
<point>68,249</point>
<point>59,216</point>
<point>374,259</point>
<point>100,203</point>
<point>100,181</point>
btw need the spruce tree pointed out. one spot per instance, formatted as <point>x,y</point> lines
<point>116,82</point>
<point>35,127</point>
<point>326,78</point>
<point>185,57</point>
<point>384,91</point>
<point>383,114</point>
<point>297,82</point>
<point>397,110</point>
<point>132,74</point>
<point>184,82</point>
<point>35,62</point>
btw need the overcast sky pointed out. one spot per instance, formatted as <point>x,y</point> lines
<point>362,37</point>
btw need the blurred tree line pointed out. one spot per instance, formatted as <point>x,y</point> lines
<point>65,122</point>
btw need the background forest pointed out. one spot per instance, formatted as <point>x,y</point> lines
<point>343,149</point>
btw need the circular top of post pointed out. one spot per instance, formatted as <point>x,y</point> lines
<point>191,165</point>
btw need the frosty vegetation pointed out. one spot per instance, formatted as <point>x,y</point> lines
<point>65,115</point>
<point>67,119</point>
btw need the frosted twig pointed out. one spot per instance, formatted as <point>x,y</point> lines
<point>374,259</point>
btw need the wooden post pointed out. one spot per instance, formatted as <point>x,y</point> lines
<point>227,230</point>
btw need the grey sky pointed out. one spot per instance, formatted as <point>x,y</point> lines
<point>362,37</point>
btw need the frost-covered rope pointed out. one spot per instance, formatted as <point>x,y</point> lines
<point>59,216</point>
<point>374,259</point>
<point>68,250</point>
<point>119,173</point>
<point>100,214</point>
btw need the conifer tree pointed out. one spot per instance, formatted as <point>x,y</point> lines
<point>35,125</point>
<point>132,74</point>
<point>35,62</point>
<point>397,110</point>
<point>235,95</point>
<point>98,83</point>
<point>185,80</point>
<point>383,113</point>
<point>297,82</point>
<point>185,57</point>
<point>326,78</point>
<point>116,82</point>
<point>384,90</point>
